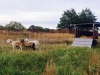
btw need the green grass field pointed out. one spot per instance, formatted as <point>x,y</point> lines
<point>50,59</point>
<point>55,56</point>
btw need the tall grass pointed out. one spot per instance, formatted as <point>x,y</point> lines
<point>50,59</point>
<point>42,37</point>
<point>49,68</point>
<point>54,57</point>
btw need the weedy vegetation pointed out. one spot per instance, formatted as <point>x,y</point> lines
<point>55,56</point>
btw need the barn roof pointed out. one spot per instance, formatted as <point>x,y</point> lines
<point>97,24</point>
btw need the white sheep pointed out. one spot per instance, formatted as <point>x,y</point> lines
<point>15,43</point>
<point>34,41</point>
<point>33,44</point>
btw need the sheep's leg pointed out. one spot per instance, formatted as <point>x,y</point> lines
<point>20,47</point>
<point>13,47</point>
<point>26,47</point>
<point>36,45</point>
<point>33,46</point>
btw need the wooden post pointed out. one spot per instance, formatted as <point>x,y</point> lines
<point>75,30</point>
<point>93,32</point>
<point>78,32</point>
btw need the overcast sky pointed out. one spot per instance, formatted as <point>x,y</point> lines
<point>44,13</point>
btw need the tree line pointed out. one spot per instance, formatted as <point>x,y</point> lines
<point>68,17</point>
<point>17,26</point>
<point>72,17</point>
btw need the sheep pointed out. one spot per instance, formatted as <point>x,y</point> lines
<point>15,43</point>
<point>34,41</point>
<point>33,44</point>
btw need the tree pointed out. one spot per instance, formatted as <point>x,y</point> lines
<point>86,16</point>
<point>31,28</point>
<point>34,28</point>
<point>39,29</point>
<point>14,26</point>
<point>1,28</point>
<point>46,30</point>
<point>68,17</point>
<point>71,17</point>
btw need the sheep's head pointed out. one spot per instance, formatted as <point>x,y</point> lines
<point>22,40</point>
<point>9,41</point>
<point>26,40</point>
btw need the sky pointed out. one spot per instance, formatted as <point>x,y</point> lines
<point>44,13</point>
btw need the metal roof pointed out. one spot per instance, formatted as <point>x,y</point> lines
<point>97,24</point>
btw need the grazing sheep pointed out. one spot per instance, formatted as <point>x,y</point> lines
<point>15,43</point>
<point>35,41</point>
<point>33,44</point>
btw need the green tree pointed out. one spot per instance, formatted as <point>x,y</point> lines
<point>68,17</point>
<point>86,16</point>
<point>14,26</point>
<point>39,28</point>
<point>46,30</point>
<point>31,28</point>
<point>71,17</point>
<point>35,28</point>
<point>1,28</point>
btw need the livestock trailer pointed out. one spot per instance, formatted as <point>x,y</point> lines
<point>86,34</point>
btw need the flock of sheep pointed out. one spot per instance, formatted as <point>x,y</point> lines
<point>24,43</point>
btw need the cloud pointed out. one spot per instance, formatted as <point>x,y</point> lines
<point>45,13</point>
<point>31,18</point>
